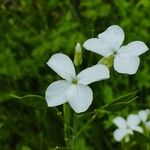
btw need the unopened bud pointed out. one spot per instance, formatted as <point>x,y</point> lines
<point>78,55</point>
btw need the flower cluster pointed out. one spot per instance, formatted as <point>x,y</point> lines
<point>133,122</point>
<point>74,88</point>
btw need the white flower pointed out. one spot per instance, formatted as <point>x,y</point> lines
<point>126,58</point>
<point>143,115</point>
<point>126,127</point>
<point>73,89</point>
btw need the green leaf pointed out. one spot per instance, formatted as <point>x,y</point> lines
<point>81,144</point>
<point>34,101</point>
<point>125,98</point>
<point>25,148</point>
<point>120,103</point>
<point>141,137</point>
<point>8,97</point>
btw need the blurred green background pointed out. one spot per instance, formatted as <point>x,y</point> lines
<point>30,32</point>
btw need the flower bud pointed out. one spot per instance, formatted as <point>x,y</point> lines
<point>78,55</point>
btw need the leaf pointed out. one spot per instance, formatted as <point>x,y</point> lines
<point>125,98</point>
<point>119,106</point>
<point>8,97</point>
<point>141,137</point>
<point>120,103</point>
<point>25,148</point>
<point>34,101</point>
<point>81,144</point>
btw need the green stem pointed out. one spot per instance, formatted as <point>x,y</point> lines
<point>123,145</point>
<point>75,129</point>
<point>148,147</point>
<point>87,123</point>
<point>59,114</point>
<point>67,122</point>
<point>147,144</point>
<point>70,135</point>
<point>73,10</point>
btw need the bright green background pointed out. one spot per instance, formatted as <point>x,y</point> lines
<point>30,32</point>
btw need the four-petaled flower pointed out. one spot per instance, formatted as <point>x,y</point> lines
<point>73,89</point>
<point>143,115</point>
<point>126,127</point>
<point>126,58</point>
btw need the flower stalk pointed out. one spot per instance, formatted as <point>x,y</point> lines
<point>67,124</point>
<point>74,133</point>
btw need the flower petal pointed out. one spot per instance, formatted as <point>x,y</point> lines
<point>56,92</point>
<point>114,36</point>
<point>134,48</point>
<point>126,65</point>
<point>147,124</point>
<point>143,115</point>
<point>93,74</point>
<point>138,129</point>
<point>120,122</point>
<point>98,46</point>
<point>147,111</point>
<point>80,97</point>
<point>62,65</point>
<point>133,120</point>
<point>119,134</point>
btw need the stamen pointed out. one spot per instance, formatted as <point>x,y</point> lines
<point>74,81</point>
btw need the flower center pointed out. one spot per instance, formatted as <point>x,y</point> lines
<point>75,81</point>
<point>114,52</point>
